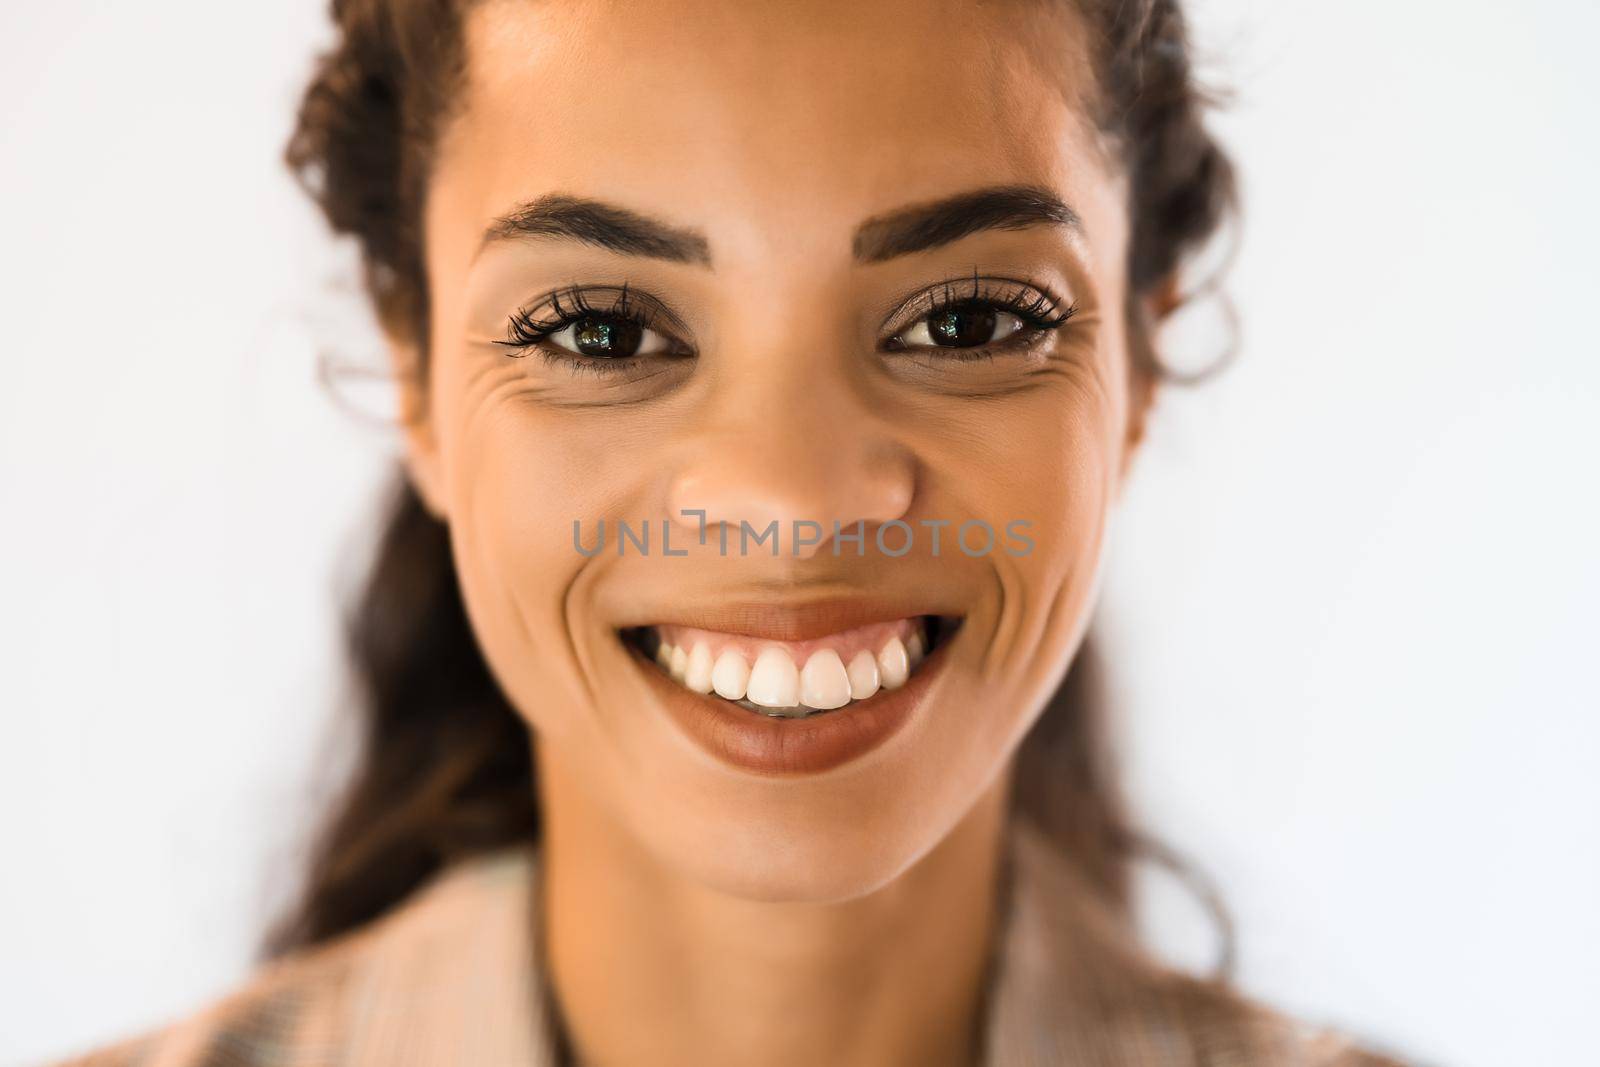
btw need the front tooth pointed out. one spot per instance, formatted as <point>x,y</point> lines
<point>894,666</point>
<point>863,676</point>
<point>915,649</point>
<point>697,675</point>
<point>679,663</point>
<point>730,676</point>
<point>824,685</point>
<point>774,681</point>
<point>664,654</point>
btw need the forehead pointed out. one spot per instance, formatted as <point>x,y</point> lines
<point>783,112</point>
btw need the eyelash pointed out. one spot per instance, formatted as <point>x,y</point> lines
<point>527,332</point>
<point>1039,312</point>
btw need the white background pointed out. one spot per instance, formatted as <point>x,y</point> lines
<point>1352,599</point>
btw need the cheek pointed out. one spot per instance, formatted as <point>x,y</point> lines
<point>1040,469</point>
<point>519,479</point>
<point>1040,466</point>
<point>1052,587</point>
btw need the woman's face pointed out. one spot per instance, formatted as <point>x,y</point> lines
<point>833,263</point>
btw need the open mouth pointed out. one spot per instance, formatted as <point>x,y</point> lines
<point>794,679</point>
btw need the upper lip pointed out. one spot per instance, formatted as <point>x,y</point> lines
<point>775,620</point>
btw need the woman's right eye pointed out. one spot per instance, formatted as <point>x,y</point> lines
<point>593,328</point>
<point>609,337</point>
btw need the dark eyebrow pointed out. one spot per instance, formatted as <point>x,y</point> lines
<point>604,225</point>
<point>924,226</point>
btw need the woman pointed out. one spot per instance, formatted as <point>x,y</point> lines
<point>769,373</point>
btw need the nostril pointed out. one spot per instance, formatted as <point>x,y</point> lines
<point>793,476</point>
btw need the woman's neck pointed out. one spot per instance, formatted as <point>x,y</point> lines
<point>649,968</point>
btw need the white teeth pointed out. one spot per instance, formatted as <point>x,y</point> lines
<point>697,675</point>
<point>894,666</point>
<point>863,674</point>
<point>915,650</point>
<point>824,685</point>
<point>730,676</point>
<point>774,681</point>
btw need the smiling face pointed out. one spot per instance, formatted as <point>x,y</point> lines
<point>857,264</point>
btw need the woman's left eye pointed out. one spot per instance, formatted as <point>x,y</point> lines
<point>970,324</point>
<point>608,337</point>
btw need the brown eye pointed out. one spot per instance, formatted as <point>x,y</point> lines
<point>608,337</point>
<point>970,324</point>
<point>963,327</point>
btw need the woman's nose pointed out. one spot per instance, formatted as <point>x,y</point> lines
<point>816,464</point>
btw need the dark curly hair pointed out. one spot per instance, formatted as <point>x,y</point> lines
<point>446,768</point>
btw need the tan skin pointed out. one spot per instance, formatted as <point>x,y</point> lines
<point>697,913</point>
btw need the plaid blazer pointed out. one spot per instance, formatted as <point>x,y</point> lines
<point>453,976</point>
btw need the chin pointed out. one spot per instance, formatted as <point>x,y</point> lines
<point>773,856</point>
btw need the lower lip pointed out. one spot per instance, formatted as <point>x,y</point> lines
<point>767,745</point>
